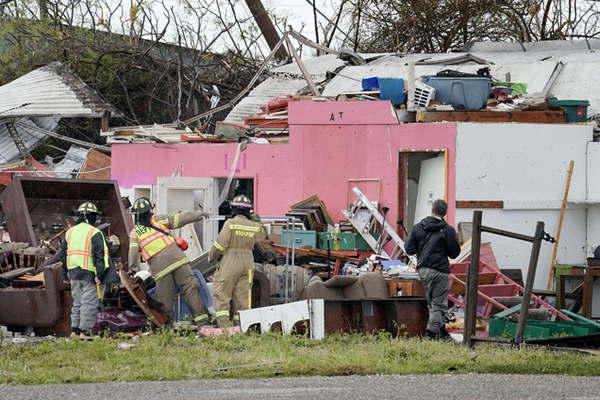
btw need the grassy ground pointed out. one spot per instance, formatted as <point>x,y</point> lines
<point>170,357</point>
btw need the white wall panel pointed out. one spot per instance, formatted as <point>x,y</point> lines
<point>519,161</point>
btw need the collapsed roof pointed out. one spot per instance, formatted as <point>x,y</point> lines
<point>37,100</point>
<point>531,63</point>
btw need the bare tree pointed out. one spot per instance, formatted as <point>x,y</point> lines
<point>444,25</point>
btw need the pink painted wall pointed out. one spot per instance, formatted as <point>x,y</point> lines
<point>329,144</point>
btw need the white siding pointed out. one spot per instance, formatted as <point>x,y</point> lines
<point>525,166</point>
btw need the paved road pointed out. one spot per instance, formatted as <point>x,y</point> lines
<point>422,387</point>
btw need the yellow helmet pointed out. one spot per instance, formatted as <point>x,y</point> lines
<point>241,201</point>
<point>87,208</point>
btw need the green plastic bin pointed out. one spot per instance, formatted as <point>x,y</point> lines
<point>575,110</point>
<point>507,327</point>
<point>346,241</point>
<point>301,238</point>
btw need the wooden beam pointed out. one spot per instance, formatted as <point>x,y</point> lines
<point>15,273</point>
<point>479,204</point>
<point>539,117</point>
<point>561,217</point>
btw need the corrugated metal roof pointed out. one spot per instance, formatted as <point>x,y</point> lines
<point>576,81</point>
<point>262,94</point>
<point>317,67</point>
<point>546,45</point>
<point>51,90</point>
<point>534,67</point>
<point>29,130</point>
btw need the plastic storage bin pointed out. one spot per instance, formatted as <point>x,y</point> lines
<point>575,110</point>
<point>301,238</point>
<point>463,93</point>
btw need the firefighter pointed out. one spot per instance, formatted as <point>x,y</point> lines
<point>87,263</point>
<point>234,244</point>
<point>152,238</point>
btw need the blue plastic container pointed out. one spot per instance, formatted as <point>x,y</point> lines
<point>463,93</point>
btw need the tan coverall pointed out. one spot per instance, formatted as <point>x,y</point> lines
<point>230,282</point>
<point>171,269</point>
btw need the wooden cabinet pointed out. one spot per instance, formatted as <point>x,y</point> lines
<point>405,287</point>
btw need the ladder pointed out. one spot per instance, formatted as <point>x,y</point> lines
<point>12,131</point>
<point>364,226</point>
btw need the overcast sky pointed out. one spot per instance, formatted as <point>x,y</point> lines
<point>300,11</point>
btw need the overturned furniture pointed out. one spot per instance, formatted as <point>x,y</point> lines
<point>38,307</point>
<point>400,316</point>
<point>343,304</point>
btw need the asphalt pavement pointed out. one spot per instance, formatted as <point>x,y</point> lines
<point>414,387</point>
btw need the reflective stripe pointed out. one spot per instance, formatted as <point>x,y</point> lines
<point>150,241</point>
<point>201,317</point>
<point>245,228</point>
<point>79,247</point>
<point>218,246</point>
<point>176,220</point>
<point>134,244</point>
<point>224,313</point>
<point>161,274</point>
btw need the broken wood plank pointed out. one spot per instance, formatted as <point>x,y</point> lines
<point>15,273</point>
<point>479,204</point>
<point>538,117</point>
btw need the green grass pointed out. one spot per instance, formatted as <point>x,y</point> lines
<point>170,357</point>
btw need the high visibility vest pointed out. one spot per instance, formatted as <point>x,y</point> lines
<point>151,241</point>
<point>79,247</point>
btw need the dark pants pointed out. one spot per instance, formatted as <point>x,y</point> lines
<point>436,292</point>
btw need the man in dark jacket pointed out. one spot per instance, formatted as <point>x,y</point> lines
<point>434,241</point>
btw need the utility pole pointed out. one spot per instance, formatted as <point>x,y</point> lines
<point>267,28</point>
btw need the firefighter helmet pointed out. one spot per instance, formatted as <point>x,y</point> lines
<point>241,201</point>
<point>141,206</point>
<point>87,208</point>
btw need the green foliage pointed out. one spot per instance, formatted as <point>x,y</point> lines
<point>166,356</point>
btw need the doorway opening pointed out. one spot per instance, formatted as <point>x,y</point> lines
<point>238,186</point>
<point>422,179</point>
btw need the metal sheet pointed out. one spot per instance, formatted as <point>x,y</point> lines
<point>28,129</point>
<point>51,90</point>
<point>72,161</point>
<point>317,66</point>
<point>262,94</point>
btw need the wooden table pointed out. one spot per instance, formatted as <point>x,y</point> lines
<point>340,256</point>
<point>588,274</point>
